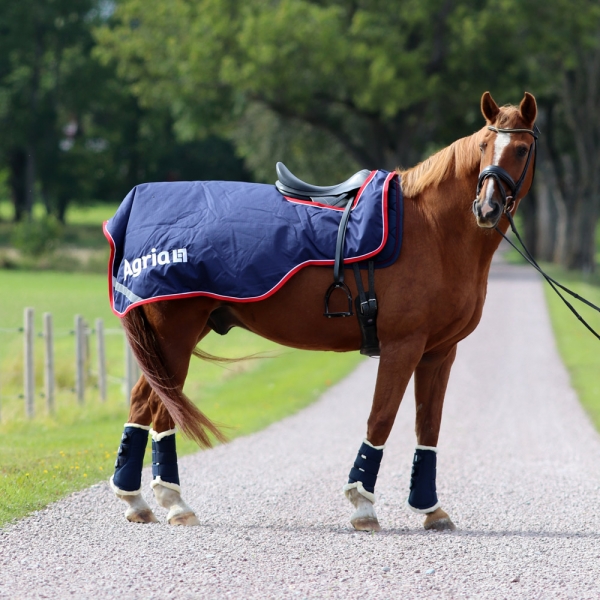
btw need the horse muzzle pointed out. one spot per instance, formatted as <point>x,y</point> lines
<point>487,212</point>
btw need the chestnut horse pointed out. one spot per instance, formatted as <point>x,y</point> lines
<point>429,299</point>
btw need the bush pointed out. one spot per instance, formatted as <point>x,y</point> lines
<point>36,238</point>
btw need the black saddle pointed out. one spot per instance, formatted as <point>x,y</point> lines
<point>340,196</point>
<point>334,195</point>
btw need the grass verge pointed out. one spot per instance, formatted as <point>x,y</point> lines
<point>578,348</point>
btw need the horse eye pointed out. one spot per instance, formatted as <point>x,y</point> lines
<point>522,151</point>
<point>482,146</point>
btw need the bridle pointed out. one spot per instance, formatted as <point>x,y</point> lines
<point>499,175</point>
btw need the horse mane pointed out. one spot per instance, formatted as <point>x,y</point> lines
<point>458,159</point>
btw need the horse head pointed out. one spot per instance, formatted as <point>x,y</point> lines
<point>508,148</point>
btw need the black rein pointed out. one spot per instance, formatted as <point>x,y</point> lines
<point>500,175</point>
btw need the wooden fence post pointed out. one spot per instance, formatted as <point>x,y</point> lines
<point>86,350</point>
<point>101,358</point>
<point>79,359</point>
<point>49,362</point>
<point>28,363</point>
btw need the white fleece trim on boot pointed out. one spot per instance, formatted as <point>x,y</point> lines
<point>146,427</point>
<point>361,490</point>
<point>368,443</point>
<point>121,492</point>
<point>423,511</point>
<point>419,447</point>
<point>159,436</point>
<point>172,486</point>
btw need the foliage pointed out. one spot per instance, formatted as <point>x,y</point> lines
<point>554,47</point>
<point>72,131</point>
<point>380,78</point>
<point>98,96</point>
<point>37,237</point>
<point>381,83</point>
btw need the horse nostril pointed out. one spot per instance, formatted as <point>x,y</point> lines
<point>488,210</point>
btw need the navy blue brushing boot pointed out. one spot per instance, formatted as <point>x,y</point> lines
<point>164,460</point>
<point>127,478</point>
<point>126,481</point>
<point>165,481</point>
<point>423,495</point>
<point>360,489</point>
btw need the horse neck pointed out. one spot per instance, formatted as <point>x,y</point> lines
<point>447,210</point>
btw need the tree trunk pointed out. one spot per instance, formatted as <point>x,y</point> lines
<point>528,209</point>
<point>30,177</point>
<point>580,96</point>
<point>581,249</point>
<point>16,180</point>
<point>545,219</point>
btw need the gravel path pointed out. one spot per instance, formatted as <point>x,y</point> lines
<point>518,471</point>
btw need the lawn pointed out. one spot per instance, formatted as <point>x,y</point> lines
<point>52,455</point>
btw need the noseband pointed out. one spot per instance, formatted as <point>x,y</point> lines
<point>499,175</point>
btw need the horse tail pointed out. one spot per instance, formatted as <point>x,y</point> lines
<point>146,349</point>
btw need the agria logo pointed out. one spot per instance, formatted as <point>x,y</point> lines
<point>137,265</point>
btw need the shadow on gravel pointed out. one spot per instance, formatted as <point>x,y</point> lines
<point>529,534</point>
<point>401,532</point>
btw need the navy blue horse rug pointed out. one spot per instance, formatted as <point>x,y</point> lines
<point>238,241</point>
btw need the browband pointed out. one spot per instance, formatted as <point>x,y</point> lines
<point>534,132</point>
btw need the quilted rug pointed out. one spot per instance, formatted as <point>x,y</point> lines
<point>238,241</point>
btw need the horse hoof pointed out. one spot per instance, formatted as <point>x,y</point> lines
<point>188,519</point>
<point>364,517</point>
<point>439,520</point>
<point>366,524</point>
<point>141,516</point>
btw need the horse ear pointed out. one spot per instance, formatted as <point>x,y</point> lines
<point>528,108</point>
<point>489,108</point>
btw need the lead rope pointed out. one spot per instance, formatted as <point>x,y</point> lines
<point>553,283</point>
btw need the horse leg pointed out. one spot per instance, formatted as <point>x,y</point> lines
<point>126,481</point>
<point>396,366</point>
<point>165,473</point>
<point>177,328</point>
<point>431,379</point>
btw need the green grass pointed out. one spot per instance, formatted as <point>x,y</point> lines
<point>93,214</point>
<point>82,230</point>
<point>52,455</point>
<point>579,349</point>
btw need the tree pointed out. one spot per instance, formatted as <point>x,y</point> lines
<point>554,46</point>
<point>378,78</point>
<point>39,42</point>
<point>572,123</point>
<point>383,83</point>
<point>72,130</point>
